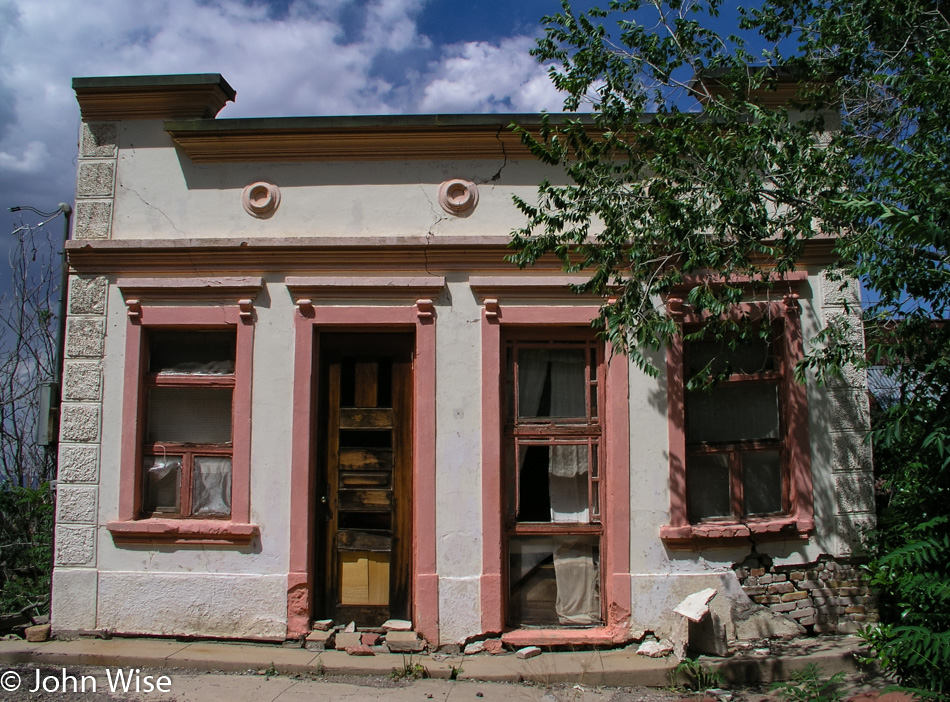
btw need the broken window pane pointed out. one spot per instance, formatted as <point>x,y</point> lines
<point>707,486</point>
<point>553,485</point>
<point>748,358</point>
<point>192,352</point>
<point>732,412</point>
<point>211,485</point>
<point>554,580</point>
<point>762,482</point>
<point>189,415</point>
<point>162,483</point>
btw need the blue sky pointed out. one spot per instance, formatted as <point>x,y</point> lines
<point>284,57</point>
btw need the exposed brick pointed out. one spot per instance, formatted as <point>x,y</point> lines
<point>781,588</point>
<point>796,575</point>
<point>809,584</point>
<point>753,591</point>
<point>854,609</point>
<point>767,599</point>
<point>779,578</point>
<point>757,572</point>
<point>801,613</point>
<point>794,596</point>
<point>807,621</point>
<point>783,607</point>
<point>765,579</point>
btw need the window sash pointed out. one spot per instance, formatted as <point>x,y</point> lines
<point>188,452</point>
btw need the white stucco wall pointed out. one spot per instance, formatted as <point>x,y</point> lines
<point>160,193</point>
<point>242,592</point>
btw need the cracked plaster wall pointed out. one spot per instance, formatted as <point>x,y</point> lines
<point>840,471</point>
<point>160,194</point>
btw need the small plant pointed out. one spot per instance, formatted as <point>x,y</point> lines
<point>455,672</point>
<point>808,685</point>
<point>699,678</point>
<point>410,670</point>
<point>270,672</point>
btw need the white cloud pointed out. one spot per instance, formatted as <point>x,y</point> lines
<point>32,160</point>
<point>318,57</point>
<point>485,77</point>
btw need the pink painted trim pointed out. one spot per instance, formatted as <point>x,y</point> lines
<point>492,590</point>
<point>248,284</point>
<point>525,285</point>
<point>782,527</point>
<point>616,470</point>
<point>792,278</point>
<point>676,418</point>
<point>616,476</point>
<point>600,636</point>
<point>365,285</point>
<point>184,317</point>
<point>307,319</point>
<point>183,531</point>
<point>800,518</point>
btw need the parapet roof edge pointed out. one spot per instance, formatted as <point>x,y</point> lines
<point>155,81</point>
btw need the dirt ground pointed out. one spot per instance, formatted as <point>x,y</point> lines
<point>258,686</point>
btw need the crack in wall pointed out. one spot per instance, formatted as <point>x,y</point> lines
<point>153,207</point>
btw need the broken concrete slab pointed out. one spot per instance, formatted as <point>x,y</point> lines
<point>404,642</point>
<point>655,649</point>
<point>319,640</point>
<point>361,650</point>
<point>346,639</point>
<point>369,639</point>
<point>38,633</point>
<point>397,625</point>
<point>763,624</point>
<point>474,647</point>
<point>494,646</point>
<point>323,625</point>
<point>696,606</point>
<point>528,652</point>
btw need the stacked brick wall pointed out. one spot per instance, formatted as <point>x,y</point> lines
<point>826,597</point>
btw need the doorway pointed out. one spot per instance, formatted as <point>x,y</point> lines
<point>364,480</point>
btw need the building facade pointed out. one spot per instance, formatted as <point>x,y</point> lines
<point>302,382</point>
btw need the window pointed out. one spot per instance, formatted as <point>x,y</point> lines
<point>187,448</point>
<point>739,450</point>
<point>185,466</point>
<point>553,482</point>
<point>735,459</point>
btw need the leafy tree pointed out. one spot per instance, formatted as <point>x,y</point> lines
<point>689,165</point>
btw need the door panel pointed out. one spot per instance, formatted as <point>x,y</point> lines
<point>366,470</point>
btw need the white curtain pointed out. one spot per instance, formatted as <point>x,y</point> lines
<point>575,572</point>
<point>211,486</point>
<point>575,568</point>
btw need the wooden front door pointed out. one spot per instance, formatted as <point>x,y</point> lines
<point>365,509</point>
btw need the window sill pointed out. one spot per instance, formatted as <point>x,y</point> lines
<point>725,533</point>
<point>183,531</point>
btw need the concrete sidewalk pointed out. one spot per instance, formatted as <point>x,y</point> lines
<point>615,668</point>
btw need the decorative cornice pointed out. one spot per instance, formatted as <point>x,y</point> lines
<point>134,289</point>
<point>306,288</point>
<point>300,139</point>
<point>195,96</point>
<point>525,285</point>
<point>412,255</point>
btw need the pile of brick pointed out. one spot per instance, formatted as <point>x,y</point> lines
<point>826,597</point>
<point>395,636</point>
